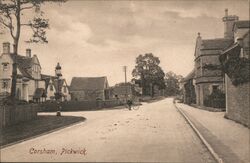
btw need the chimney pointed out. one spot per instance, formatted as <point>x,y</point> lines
<point>28,53</point>
<point>229,21</point>
<point>6,48</point>
<point>199,35</point>
<point>226,12</point>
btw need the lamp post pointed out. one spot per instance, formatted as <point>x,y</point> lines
<point>58,92</point>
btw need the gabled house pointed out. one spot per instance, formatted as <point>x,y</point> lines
<point>51,87</point>
<point>236,64</point>
<point>88,88</point>
<point>208,73</point>
<point>29,86</point>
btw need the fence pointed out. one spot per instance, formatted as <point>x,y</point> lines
<point>10,115</point>
<point>78,105</point>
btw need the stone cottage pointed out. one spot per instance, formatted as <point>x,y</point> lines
<point>30,85</point>
<point>236,65</point>
<point>88,88</point>
<point>209,78</point>
<point>51,87</point>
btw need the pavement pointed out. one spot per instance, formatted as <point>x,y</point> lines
<point>229,139</point>
<point>156,132</point>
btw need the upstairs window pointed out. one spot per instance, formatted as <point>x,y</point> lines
<point>51,87</point>
<point>5,66</point>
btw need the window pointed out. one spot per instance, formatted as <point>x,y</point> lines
<point>51,87</point>
<point>36,83</point>
<point>5,66</point>
<point>64,89</point>
<point>215,88</point>
<point>5,84</point>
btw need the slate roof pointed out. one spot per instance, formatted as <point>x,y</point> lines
<point>242,24</point>
<point>47,79</point>
<point>88,83</point>
<point>24,64</point>
<point>191,75</point>
<point>216,44</point>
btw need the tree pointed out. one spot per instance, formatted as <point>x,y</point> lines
<point>148,72</point>
<point>11,13</point>
<point>172,82</point>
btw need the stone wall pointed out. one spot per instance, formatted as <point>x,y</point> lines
<point>237,102</point>
<point>10,115</point>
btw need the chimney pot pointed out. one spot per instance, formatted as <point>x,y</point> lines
<point>28,53</point>
<point>226,12</point>
<point>6,47</point>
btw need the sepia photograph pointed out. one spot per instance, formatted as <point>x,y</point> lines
<point>125,81</point>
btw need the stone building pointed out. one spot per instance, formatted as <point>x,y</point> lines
<point>52,86</point>
<point>88,88</point>
<point>30,85</point>
<point>236,65</point>
<point>188,88</point>
<point>209,78</point>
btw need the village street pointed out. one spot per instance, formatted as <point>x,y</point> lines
<point>155,132</point>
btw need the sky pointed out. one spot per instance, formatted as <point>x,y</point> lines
<point>98,38</point>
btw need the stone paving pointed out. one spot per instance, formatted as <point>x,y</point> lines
<point>229,139</point>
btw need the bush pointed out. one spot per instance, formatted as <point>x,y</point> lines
<point>216,100</point>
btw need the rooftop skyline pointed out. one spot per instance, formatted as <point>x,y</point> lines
<point>98,38</point>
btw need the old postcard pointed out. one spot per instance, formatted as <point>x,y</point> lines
<point>124,81</point>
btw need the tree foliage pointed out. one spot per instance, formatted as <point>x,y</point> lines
<point>11,19</point>
<point>172,82</point>
<point>148,72</point>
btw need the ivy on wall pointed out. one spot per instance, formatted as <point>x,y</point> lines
<point>237,69</point>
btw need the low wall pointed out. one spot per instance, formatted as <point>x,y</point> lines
<point>10,115</point>
<point>78,105</point>
<point>237,102</point>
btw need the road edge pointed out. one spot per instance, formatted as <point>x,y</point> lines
<point>203,140</point>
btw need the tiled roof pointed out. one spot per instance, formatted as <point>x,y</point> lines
<point>24,64</point>
<point>218,44</point>
<point>191,75</point>
<point>88,83</point>
<point>242,24</point>
<point>47,79</point>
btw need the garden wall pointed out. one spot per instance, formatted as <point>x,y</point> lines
<point>238,103</point>
<point>78,105</point>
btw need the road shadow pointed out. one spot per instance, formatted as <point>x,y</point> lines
<point>44,124</point>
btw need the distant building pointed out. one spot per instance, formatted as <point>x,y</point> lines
<point>236,63</point>
<point>188,88</point>
<point>88,88</point>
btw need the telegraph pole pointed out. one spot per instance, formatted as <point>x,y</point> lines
<point>125,73</point>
